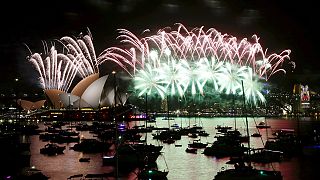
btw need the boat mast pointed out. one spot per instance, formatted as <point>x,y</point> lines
<point>234,112</point>
<point>114,116</point>
<point>146,120</point>
<point>146,110</point>
<point>180,112</point>
<point>265,120</point>
<point>168,111</point>
<point>245,112</point>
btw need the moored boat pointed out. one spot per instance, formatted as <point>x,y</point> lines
<point>248,173</point>
<point>197,144</point>
<point>152,173</point>
<point>262,125</point>
<point>84,159</point>
<point>191,150</point>
<point>256,135</point>
<point>52,149</point>
<point>241,171</point>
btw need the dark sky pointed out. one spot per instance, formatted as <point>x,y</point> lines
<point>280,24</point>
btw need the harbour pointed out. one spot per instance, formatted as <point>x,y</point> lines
<point>180,164</point>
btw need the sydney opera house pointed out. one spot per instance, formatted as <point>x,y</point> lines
<point>91,92</point>
<point>93,97</point>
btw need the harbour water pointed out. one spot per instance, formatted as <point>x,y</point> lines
<point>182,165</point>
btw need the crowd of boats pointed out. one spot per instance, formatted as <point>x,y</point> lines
<point>122,146</point>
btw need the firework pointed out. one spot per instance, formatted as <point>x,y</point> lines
<point>193,45</point>
<point>83,50</point>
<point>148,81</point>
<point>211,71</point>
<point>232,75</point>
<point>187,61</point>
<point>173,77</point>
<point>56,70</point>
<point>252,88</point>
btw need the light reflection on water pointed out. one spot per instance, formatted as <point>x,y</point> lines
<point>181,165</point>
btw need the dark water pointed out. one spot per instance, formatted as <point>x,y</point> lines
<point>182,165</point>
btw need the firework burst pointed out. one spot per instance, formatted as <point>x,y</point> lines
<point>173,77</point>
<point>194,45</point>
<point>232,75</point>
<point>252,88</point>
<point>190,60</point>
<point>147,81</point>
<point>56,70</point>
<point>83,50</point>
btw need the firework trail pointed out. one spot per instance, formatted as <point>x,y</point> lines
<point>56,70</point>
<point>82,48</point>
<point>193,45</point>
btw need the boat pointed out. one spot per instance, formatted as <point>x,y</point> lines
<point>166,118</point>
<point>241,171</point>
<point>175,125</point>
<point>256,135</point>
<point>192,135</point>
<point>262,155</point>
<point>84,160</point>
<point>164,135</point>
<point>203,133</point>
<point>197,144</point>
<point>227,144</point>
<point>152,119</point>
<point>233,135</point>
<point>131,156</point>
<point>169,141</point>
<point>225,148</point>
<point>99,176</point>
<point>262,125</point>
<point>285,140</point>
<point>195,126</point>
<point>152,173</point>
<point>52,149</point>
<point>91,146</point>
<point>191,150</point>
<point>30,173</point>
<point>223,128</point>
<point>75,176</point>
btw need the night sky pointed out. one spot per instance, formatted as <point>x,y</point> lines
<point>280,25</point>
